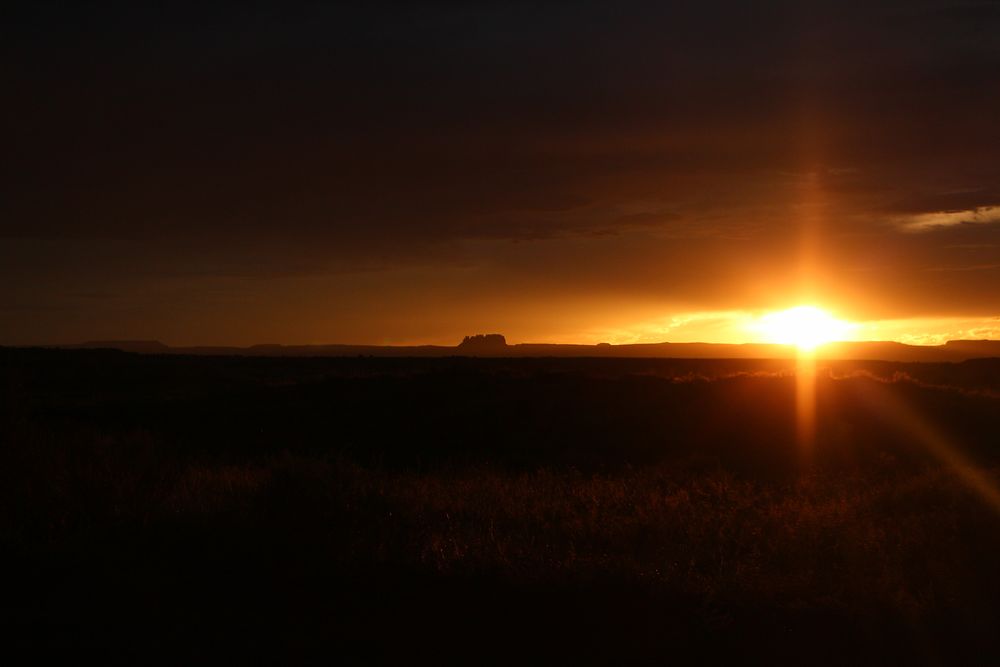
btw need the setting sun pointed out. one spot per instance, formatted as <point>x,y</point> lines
<point>806,327</point>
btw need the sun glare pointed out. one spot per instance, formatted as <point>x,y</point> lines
<point>806,327</point>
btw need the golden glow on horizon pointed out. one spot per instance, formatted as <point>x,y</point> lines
<point>806,327</point>
<point>656,323</point>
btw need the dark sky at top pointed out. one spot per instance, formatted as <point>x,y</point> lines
<point>405,172</point>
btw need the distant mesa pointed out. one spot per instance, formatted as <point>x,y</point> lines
<point>483,343</point>
<point>495,345</point>
<point>974,348</point>
<point>267,347</point>
<point>137,346</point>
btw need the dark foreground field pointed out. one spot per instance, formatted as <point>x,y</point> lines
<point>189,510</point>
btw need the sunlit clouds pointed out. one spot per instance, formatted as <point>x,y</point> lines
<point>926,222</point>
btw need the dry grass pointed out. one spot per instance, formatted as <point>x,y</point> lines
<point>115,518</point>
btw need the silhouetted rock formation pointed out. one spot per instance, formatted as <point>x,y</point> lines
<point>974,348</point>
<point>488,343</point>
<point>138,346</point>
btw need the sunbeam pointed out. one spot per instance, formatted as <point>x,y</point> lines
<point>805,401</point>
<point>935,442</point>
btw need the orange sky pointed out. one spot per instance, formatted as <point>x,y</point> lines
<point>412,173</point>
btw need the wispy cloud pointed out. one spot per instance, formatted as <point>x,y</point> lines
<point>924,222</point>
<point>972,267</point>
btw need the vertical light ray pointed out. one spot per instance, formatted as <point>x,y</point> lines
<point>810,224</point>
<point>805,402</point>
<point>810,221</point>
